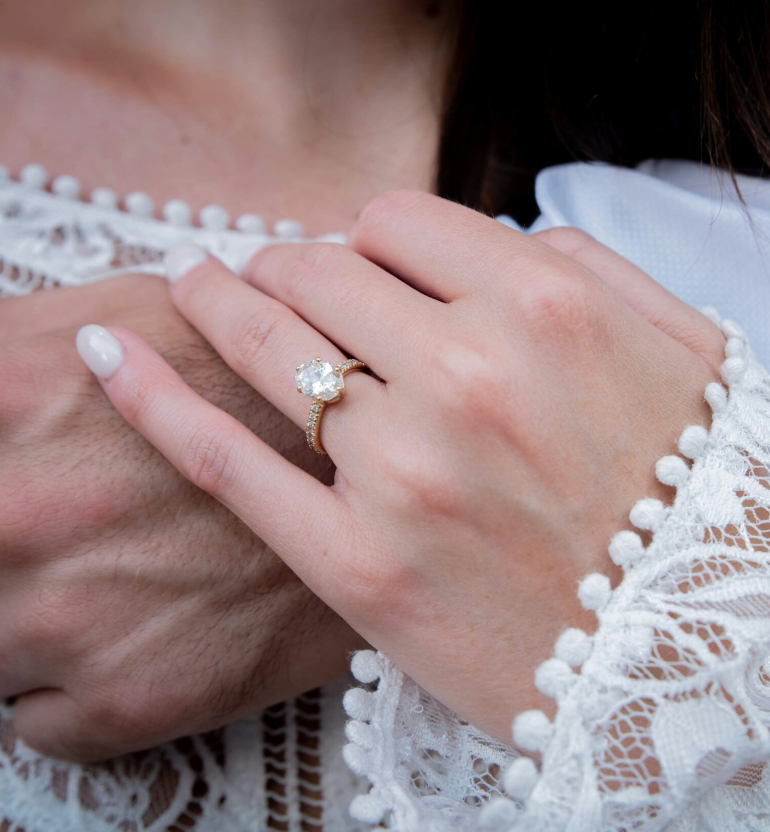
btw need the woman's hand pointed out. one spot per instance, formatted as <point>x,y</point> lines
<point>520,400</point>
<point>137,607</point>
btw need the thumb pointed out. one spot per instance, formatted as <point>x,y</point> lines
<point>643,294</point>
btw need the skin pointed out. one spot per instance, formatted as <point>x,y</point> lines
<point>194,617</point>
<point>150,605</point>
<point>513,376</point>
<point>171,99</point>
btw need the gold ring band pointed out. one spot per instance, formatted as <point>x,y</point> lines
<point>324,383</point>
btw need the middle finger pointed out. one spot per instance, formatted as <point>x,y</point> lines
<point>263,341</point>
<point>366,310</point>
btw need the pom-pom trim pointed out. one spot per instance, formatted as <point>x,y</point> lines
<point>532,731</point>
<point>175,211</point>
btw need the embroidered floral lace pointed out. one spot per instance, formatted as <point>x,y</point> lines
<point>663,713</point>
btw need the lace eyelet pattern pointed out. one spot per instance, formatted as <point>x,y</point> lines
<point>50,236</point>
<point>669,700</point>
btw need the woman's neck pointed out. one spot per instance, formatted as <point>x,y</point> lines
<point>281,107</point>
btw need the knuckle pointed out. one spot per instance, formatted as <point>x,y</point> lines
<point>309,265</point>
<point>209,457</point>
<point>381,210</point>
<point>558,301</point>
<point>137,403</point>
<point>463,375</point>
<point>570,241</point>
<point>257,335</point>
<point>420,483</point>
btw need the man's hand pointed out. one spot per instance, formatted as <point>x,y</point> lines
<point>145,601</point>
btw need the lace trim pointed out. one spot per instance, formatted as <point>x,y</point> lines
<point>51,239</point>
<point>427,769</point>
<point>668,699</point>
<point>176,212</point>
<point>279,771</point>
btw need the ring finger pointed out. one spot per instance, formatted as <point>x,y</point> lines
<point>264,341</point>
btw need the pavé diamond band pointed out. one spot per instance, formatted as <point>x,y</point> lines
<point>324,383</point>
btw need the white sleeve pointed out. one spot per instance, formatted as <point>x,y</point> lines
<point>663,713</point>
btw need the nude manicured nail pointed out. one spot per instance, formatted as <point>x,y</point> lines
<point>181,259</point>
<point>101,351</point>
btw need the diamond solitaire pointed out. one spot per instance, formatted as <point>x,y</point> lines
<point>320,380</point>
<point>325,384</point>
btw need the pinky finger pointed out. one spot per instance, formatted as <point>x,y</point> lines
<point>289,509</point>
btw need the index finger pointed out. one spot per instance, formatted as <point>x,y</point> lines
<point>441,248</point>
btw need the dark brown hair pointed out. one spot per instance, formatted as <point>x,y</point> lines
<point>611,82</point>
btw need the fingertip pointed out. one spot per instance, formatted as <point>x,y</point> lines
<point>183,258</point>
<point>99,350</point>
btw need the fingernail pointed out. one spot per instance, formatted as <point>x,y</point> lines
<point>100,350</point>
<point>182,258</point>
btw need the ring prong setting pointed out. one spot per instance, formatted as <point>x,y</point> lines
<point>324,383</point>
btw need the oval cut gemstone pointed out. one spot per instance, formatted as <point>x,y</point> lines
<point>320,380</point>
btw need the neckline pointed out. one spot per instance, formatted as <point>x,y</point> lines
<point>176,212</point>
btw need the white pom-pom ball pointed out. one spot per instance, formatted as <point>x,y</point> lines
<point>214,218</point>
<point>250,224</point>
<point>532,731</point>
<point>731,329</point>
<point>177,212</point>
<point>361,733</point>
<point>732,370</point>
<point>366,667</point>
<point>648,514</point>
<point>626,548</point>
<point>104,198</point>
<point>520,778</point>
<point>693,441</point>
<point>672,470</point>
<point>498,814</point>
<point>34,176</point>
<point>140,205</point>
<point>594,591</point>
<point>716,396</point>
<point>367,808</point>
<point>554,678</point>
<point>66,186</point>
<point>574,646</point>
<point>333,237</point>
<point>358,704</point>
<point>356,759</point>
<point>712,315</point>
<point>288,229</point>
<point>735,348</point>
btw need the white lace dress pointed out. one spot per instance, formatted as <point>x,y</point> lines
<point>663,713</point>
